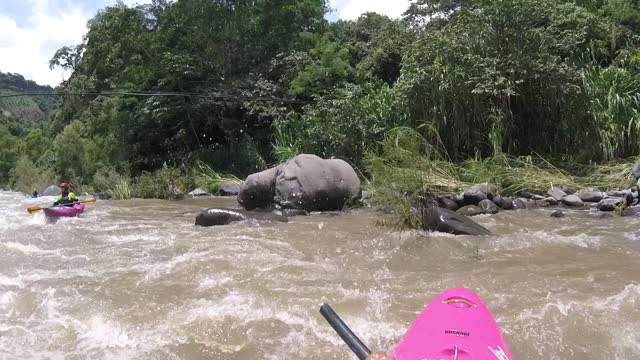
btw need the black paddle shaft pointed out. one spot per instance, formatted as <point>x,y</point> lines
<point>358,348</point>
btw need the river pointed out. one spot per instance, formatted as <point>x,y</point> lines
<point>136,279</point>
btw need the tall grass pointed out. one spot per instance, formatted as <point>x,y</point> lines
<point>612,175</point>
<point>121,189</point>
<point>614,107</point>
<point>513,174</point>
<point>108,180</point>
<point>205,177</point>
<point>286,139</point>
<point>408,166</point>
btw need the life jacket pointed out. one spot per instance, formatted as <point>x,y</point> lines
<point>71,197</point>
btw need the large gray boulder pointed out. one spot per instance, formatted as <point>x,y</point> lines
<point>314,184</point>
<point>305,182</point>
<point>258,189</point>
<point>52,190</point>
<point>445,220</point>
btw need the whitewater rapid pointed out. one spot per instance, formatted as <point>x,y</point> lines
<point>136,279</point>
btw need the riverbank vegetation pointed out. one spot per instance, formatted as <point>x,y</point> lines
<point>521,93</point>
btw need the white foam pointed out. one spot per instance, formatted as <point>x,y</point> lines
<point>154,271</point>
<point>9,282</point>
<point>7,301</point>
<point>537,238</point>
<point>99,333</point>
<point>213,282</point>
<point>29,249</point>
<point>629,295</point>
<point>121,239</point>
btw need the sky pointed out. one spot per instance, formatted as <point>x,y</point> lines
<point>32,30</point>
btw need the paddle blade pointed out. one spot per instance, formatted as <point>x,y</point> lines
<point>89,201</point>
<point>33,209</point>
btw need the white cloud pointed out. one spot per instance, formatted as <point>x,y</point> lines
<point>27,49</point>
<point>352,9</point>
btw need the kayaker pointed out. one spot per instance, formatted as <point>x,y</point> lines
<point>380,356</point>
<point>66,198</point>
<point>35,193</point>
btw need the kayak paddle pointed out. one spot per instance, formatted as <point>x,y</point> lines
<point>357,346</point>
<point>33,209</point>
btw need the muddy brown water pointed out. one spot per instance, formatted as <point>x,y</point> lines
<point>136,279</point>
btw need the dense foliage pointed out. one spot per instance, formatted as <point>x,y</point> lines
<point>240,85</point>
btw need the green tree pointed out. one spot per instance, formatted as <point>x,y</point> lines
<point>69,149</point>
<point>35,145</point>
<point>27,176</point>
<point>9,145</point>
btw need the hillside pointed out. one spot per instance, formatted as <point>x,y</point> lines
<point>33,109</point>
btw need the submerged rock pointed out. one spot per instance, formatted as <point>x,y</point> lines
<point>631,211</point>
<point>223,216</point>
<point>445,220</point>
<point>294,212</point>
<point>557,214</point>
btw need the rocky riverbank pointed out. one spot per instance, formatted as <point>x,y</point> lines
<point>486,199</point>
